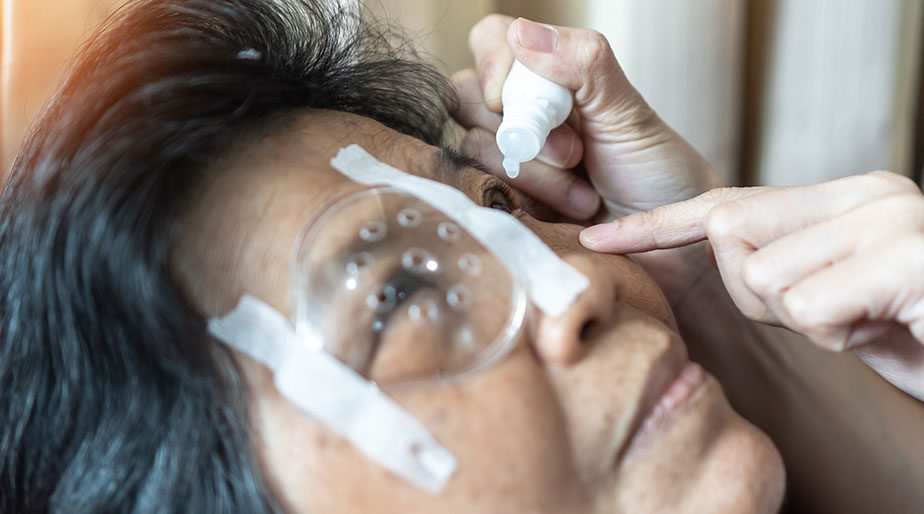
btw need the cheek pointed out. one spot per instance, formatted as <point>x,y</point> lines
<point>641,292</point>
<point>600,393</point>
<point>510,435</point>
<point>504,426</point>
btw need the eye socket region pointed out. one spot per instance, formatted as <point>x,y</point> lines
<point>499,197</point>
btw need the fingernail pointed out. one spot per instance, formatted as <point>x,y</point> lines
<point>583,199</point>
<point>536,36</point>
<point>592,236</point>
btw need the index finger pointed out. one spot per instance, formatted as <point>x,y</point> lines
<point>493,56</point>
<point>669,226</point>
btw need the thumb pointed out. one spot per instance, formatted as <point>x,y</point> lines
<point>582,61</point>
<point>669,226</point>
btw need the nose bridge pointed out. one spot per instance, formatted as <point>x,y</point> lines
<point>561,339</point>
<point>630,283</point>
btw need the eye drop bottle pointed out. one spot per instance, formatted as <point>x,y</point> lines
<point>533,106</point>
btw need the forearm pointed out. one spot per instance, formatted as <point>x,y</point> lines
<point>851,441</point>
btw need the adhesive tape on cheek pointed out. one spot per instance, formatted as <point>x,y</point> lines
<point>329,391</point>
<point>551,283</point>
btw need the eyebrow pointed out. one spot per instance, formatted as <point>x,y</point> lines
<point>450,161</point>
<point>455,161</point>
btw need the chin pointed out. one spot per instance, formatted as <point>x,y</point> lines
<point>761,478</point>
<point>744,473</point>
<point>709,459</point>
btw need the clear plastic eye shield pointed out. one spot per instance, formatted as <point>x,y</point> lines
<point>406,283</point>
<point>400,293</point>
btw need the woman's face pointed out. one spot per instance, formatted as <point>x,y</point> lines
<point>596,410</point>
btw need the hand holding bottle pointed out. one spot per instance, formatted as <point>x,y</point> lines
<point>633,160</point>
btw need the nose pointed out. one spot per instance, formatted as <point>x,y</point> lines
<point>563,339</point>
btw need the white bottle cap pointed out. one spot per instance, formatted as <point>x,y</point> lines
<point>533,106</point>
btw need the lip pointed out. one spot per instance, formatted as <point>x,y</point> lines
<point>663,372</point>
<point>673,398</point>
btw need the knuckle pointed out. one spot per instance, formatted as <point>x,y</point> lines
<point>476,141</point>
<point>483,136</point>
<point>722,222</point>
<point>893,182</point>
<point>654,220</point>
<point>716,196</point>
<point>487,64</point>
<point>751,308</point>
<point>596,53</point>
<point>905,208</point>
<point>463,78</point>
<point>758,276</point>
<point>461,83</point>
<point>799,308</point>
<point>595,41</point>
<point>491,25</point>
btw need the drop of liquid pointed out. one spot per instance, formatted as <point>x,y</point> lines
<point>511,166</point>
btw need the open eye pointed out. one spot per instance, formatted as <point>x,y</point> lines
<point>497,196</point>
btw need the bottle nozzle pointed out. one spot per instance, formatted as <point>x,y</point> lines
<point>533,106</point>
<point>518,145</point>
<point>512,167</point>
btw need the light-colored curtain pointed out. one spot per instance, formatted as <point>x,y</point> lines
<point>770,91</point>
<point>841,87</point>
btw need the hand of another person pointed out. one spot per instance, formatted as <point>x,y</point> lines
<point>841,262</point>
<point>633,160</point>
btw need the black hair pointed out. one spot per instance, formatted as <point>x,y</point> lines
<point>113,398</point>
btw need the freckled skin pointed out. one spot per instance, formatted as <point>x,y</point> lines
<point>539,432</point>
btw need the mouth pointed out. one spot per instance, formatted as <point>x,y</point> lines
<point>656,415</point>
<point>672,383</point>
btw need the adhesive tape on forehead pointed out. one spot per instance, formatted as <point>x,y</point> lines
<point>551,283</point>
<point>325,389</point>
<point>400,292</point>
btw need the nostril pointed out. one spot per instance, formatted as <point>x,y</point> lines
<point>587,329</point>
<point>567,338</point>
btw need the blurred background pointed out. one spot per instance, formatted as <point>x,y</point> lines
<point>770,91</point>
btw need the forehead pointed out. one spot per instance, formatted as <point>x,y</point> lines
<point>240,230</point>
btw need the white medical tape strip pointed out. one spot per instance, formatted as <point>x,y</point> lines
<point>329,391</point>
<point>551,283</point>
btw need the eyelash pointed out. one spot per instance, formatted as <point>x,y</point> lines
<point>498,193</point>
